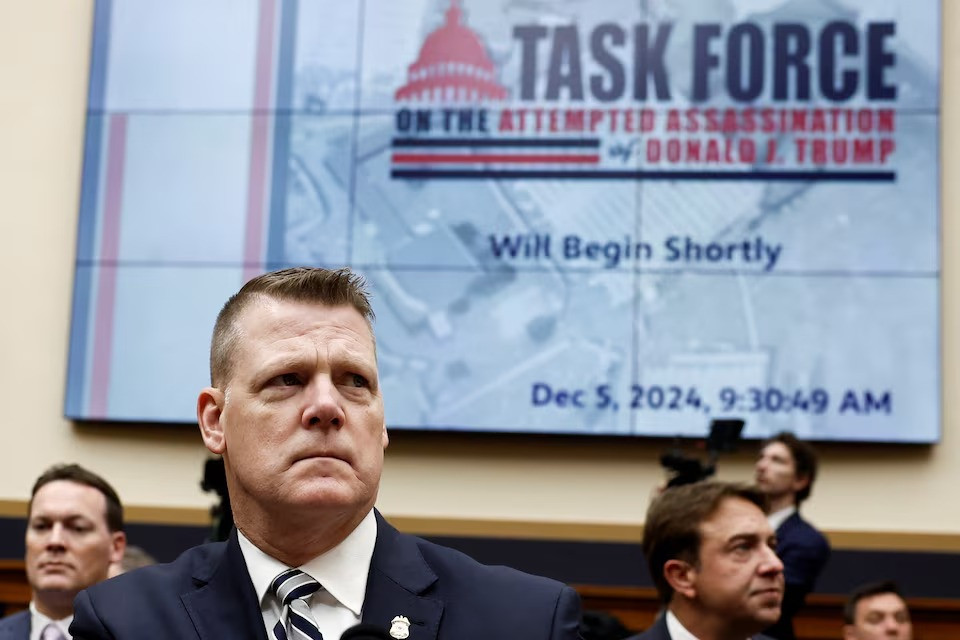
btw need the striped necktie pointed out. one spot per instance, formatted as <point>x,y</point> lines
<point>52,632</point>
<point>292,588</point>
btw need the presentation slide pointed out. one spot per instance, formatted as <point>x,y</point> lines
<point>575,216</point>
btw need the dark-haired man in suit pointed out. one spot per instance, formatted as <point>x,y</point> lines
<point>785,471</point>
<point>877,611</point>
<point>710,551</point>
<point>296,411</point>
<point>74,533</point>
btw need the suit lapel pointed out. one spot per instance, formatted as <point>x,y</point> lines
<point>790,523</point>
<point>16,627</point>
<point>786,530</point>
<point>398,577</point>
<point>225,605</point>
<point>660,631</point>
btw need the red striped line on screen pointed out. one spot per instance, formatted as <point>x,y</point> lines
<point>499,158</point>
<point>107,279</point>
<point>260,125</point>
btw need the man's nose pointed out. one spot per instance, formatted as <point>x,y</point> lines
<point>323,408</point>
<point>771,562</point>
<point>891,627</point>
<point>57,537</point>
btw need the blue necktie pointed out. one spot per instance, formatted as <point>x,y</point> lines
<point>292,588</point>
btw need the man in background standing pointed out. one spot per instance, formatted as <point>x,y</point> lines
<point>785,471</point>
<point>74,533</point>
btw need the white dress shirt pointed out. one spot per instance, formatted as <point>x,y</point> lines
<point>676,630</point>
<point>39,622</point>
<point>777,518</point>
<point>342,571</point>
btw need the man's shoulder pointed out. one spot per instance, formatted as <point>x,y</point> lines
<point>655,634</point>
<point>450,563</point>
<point>476,600</point>
<point>656,631</point>
<point>16,625</point>
<point>15,620</point>
<point>796,529</point>
<point>194,563</point>
<point>451,575</point>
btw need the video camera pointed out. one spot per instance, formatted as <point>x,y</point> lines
<point>685,469</point>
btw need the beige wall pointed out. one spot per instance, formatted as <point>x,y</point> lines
<point>44,47</point>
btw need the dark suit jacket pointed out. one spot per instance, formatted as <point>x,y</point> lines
<point>659,632</point>
<point>15,627</point>
<point>206,593</point>
<point>804,552</point>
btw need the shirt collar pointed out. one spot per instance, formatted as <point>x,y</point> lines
<point>777,518</point>
<point>676,630</point>
<point>38,622</point>
<point>342,570</point>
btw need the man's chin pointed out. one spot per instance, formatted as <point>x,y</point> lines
<point>766,489</point>
<point>767,606</point>
<point>55,587</point>
<point>326,492</point>
<point>769,615</point>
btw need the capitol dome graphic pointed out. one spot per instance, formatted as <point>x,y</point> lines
<point>453,66</point>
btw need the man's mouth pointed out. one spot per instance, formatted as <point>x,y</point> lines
<point>326,455</point>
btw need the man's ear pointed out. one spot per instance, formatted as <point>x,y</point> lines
<point>385,439</point>
<point>800,483</point>
<point>209,409</point>
<point>682,577</point>
<point>118,544</point>
<point>849,632</point>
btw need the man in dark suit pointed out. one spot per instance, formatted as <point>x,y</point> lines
<point>74,532</point>
<point>295,409</point>
<point>785,471</point>
<point>710,551</point>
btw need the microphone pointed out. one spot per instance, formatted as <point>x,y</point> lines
<point>365,631</point>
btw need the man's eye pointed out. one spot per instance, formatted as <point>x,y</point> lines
<point>40,526</point>
<point>289,379</point>
<point>358,380</point>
